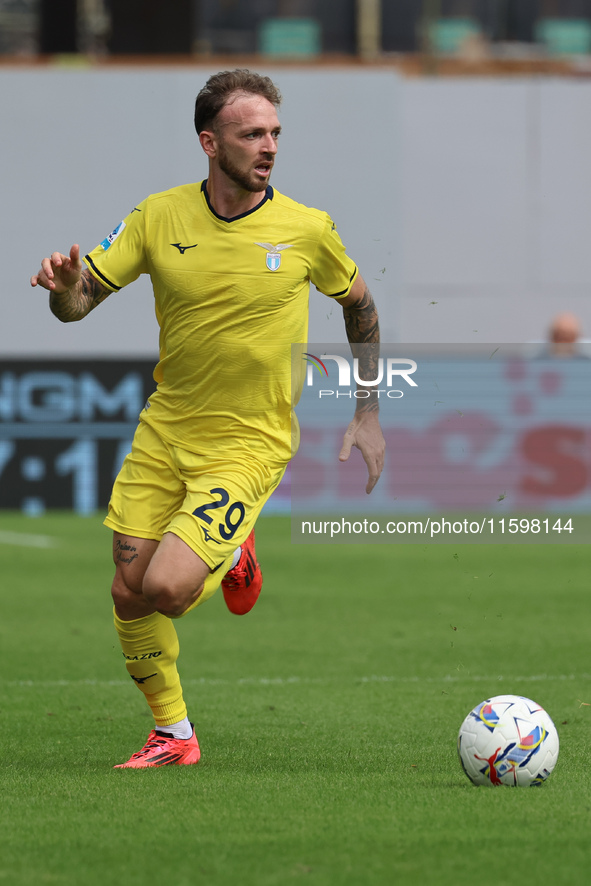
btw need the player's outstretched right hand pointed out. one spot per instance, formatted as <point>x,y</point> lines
<point>59,272</point>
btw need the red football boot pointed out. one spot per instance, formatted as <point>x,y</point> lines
<point>242,585</point>
<point>163,749</point>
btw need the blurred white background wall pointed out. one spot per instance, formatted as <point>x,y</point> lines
<point>466,203</point>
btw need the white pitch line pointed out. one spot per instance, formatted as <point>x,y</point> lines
<point>26,540</point>
<point>290,681</point>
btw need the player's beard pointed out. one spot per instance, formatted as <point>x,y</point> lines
<point>239,176</point>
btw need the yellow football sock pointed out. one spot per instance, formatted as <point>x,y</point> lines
<point>151,647</point>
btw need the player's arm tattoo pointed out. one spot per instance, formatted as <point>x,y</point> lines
<point>361,320</point>
<point>78,301</point>
<point>363,333</point>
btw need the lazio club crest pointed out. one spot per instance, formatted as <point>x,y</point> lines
<point>273,258</point>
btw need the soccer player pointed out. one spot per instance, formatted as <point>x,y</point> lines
<point>230,261</point>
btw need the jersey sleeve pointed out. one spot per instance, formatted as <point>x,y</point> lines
<point>332,272</point>
<point>121,257</point>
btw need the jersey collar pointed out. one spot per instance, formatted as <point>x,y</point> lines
<point>268,196</point>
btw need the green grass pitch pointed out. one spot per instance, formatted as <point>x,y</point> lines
<point>327,719</point>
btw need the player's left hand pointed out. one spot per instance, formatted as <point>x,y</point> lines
<point>365,434</point>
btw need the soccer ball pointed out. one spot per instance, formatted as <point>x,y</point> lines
<point>508,740</point>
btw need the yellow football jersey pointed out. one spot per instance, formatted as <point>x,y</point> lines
<point>231,296</point>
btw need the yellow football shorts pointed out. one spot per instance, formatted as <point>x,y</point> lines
<point>210,501</point>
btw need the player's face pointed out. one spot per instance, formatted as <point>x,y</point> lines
<point>247,130</point>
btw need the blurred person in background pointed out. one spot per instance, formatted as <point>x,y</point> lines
<point>564,337</point>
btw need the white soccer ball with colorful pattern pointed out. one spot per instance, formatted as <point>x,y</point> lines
<point>508,740</point>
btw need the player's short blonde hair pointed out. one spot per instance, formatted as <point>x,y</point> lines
<point>220,87</point>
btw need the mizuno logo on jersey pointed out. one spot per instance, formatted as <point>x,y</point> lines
<point>183,249</point>
<point>273,257</point>
<point>209,537</point>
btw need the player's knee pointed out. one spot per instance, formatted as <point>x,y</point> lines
<point>122,593</point>
<point>168,596</point>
